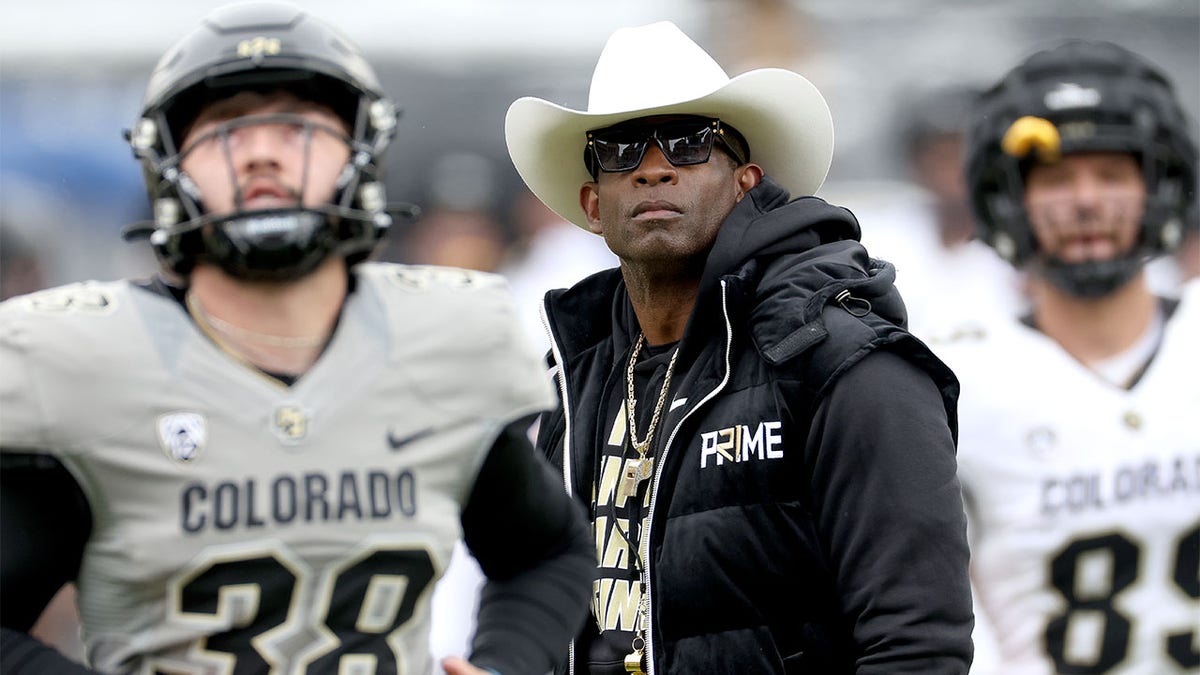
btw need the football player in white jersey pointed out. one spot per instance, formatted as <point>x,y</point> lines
<point>261,461</point>
<point>1079,448</point>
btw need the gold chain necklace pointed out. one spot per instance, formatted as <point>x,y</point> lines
<point>641,467</point>
<point>235,332</point>
<point>636,471</point>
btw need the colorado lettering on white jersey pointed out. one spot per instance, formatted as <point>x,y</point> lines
<point>739,444</point>
<point>1083,501</point>
<point>1125,483</point>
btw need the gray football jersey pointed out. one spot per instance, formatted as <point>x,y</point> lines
<point>244,526</point>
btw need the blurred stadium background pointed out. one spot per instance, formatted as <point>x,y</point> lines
<point>72,72</point>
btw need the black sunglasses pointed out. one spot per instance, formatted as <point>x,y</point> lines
<point>683,142</point>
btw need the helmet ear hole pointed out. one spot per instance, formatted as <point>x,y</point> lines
<point>1172,235</point>
<point>263,46</point>
<point>1005,246</point>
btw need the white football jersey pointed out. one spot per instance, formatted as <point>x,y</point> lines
<point>1084,501</point>
<point>241,525</point>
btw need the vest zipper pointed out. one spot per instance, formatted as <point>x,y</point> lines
<point>566,461</point>
<point>659,464</point>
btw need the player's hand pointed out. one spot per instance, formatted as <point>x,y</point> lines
<point>454,665</point>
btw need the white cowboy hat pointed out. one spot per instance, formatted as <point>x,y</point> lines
<point>654,70</point>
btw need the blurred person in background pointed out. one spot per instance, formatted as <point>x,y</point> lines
<point>21,272</point>
<point>549,253</point>
<point>1079,451</point>
<point>459,227</point>
<point>767,455</point>
<point>260,460</point>
<point>932,141</point>
<point>20,263</point>
<point>466,239</point>
<point>1167,274</point>
<point>946,274</point>
<point>1187,259</point>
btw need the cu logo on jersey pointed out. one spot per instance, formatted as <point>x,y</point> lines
<point>420,277</point>
<point>73,298</point>
<point>290,424</point>
<point>182,435</point>
<point>258,47</point>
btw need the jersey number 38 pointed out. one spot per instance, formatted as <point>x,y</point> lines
<point>356,609</point>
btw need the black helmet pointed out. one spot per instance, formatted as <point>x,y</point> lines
<point>263,46</point>
<point>1081,96</point>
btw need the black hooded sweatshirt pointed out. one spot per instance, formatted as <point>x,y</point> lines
<point>804,515</point>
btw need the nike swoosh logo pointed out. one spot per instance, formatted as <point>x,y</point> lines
<point>396,442</point>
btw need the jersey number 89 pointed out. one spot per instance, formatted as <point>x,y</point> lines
<point>1122,557</point>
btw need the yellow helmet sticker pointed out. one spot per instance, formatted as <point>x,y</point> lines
<point>1033,134</point>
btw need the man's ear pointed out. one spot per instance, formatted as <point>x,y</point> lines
<point>747,176</point>
<point>589,199</point>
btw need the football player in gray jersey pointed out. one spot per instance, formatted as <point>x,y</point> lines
<point>261,461</point>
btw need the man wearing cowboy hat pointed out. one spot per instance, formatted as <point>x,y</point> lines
<point>766,453</point>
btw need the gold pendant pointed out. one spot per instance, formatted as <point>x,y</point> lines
<point>645,469</point>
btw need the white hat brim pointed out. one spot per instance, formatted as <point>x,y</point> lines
<point>783,117</point>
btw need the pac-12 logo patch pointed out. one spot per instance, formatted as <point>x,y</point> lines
<point>182,435</point>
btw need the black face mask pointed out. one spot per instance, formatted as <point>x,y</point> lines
<point>1093,279</point>
<point>270,245</point>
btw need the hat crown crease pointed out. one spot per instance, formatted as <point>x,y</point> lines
<point>626,79</point>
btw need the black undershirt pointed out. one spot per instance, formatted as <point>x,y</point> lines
<point>606,655</point>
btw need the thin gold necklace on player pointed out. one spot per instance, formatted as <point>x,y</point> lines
<point>238,333</point>
<point>272,354</point>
